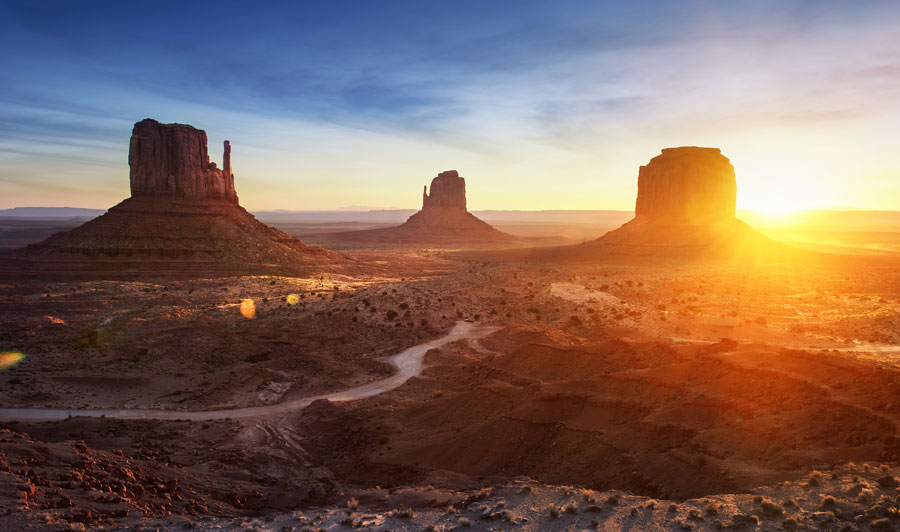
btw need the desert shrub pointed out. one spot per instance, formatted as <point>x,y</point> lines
<point>829,501</point>
<point>888,481</point>
<point>464,522</point>
<point>771,508</point>
<point>553,511</point>
<point>790,524</point>
<point>404,513</point>
<point>882,524</point>
<point>571,509</point>
<point>745,519</point>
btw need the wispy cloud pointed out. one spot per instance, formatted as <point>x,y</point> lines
<point>579,89</point>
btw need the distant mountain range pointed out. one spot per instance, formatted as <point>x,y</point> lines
<point>51,213</point>
<point>825,220</point>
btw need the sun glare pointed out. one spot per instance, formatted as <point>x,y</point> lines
<point>248,309</point>
<point>782,187</point>
<point>9,359</point>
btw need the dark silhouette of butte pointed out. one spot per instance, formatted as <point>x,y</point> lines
<point>686,206</point>
<point>443,220</point>
<point>183,214</point>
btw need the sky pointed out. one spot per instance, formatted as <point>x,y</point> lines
<point>540,105</point>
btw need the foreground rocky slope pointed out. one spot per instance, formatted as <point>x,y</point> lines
<point>582,386</point>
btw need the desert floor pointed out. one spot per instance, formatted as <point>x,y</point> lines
<point>626,395</point>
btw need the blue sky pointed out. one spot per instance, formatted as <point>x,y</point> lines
<point>539,104</point>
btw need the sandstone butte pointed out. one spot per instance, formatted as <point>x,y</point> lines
<point>685,205</point>
<point>183,214</point>
<point>443,220</point>
<point>689,185</point>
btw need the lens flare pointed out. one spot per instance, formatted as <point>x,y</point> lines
<point>292,299</point>
<point>9,359</point>
<point>248,309</point>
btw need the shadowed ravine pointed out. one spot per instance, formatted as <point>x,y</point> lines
<point>408,364</point>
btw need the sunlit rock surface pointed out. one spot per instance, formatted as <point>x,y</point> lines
<point>687,185</point>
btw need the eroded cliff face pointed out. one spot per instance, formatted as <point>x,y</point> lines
<point>687,185</point>
<point>172,160</point>
<point>183,216</point>
<point>447,190</point>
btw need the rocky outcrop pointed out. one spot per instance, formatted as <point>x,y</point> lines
<point>447,190</point>
<point>443,221</point>
<point>172,160</point>
<point>685,208</point>
<point>183,216</point>
<point>687,185</point>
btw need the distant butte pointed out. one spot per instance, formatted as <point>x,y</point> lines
<point>447,190</point>
<point>183,216</point>
<point>685,209</point>
<point>443,220</point>
<point>686,206</point>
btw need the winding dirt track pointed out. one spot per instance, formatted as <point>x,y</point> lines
<point>408,364</point>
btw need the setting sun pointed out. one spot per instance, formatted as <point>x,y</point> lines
<point>450,266</point>
<point>782,186</point>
